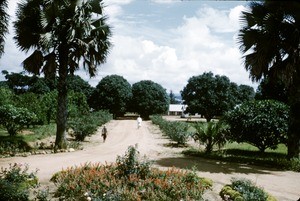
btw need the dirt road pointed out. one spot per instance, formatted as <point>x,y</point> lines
<point>284,185</point>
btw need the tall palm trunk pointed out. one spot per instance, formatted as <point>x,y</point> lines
<point>62,99</point>
<point>294,122</point>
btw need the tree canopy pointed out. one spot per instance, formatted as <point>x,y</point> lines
<point>209,95</point>
<point>112,93</point>
<point>149,98</point>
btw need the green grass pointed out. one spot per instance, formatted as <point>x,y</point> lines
<point>19,143</point>
<point>248,154</point>
<point>34,133</point>
<point>281,149</point>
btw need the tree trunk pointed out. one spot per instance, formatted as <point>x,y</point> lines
<point>62,99</point>
<point>294,122</point>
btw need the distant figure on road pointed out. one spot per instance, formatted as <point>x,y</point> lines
<point>139,121</point>
<point>104,133</point>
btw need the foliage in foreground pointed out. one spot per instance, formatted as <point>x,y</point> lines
<point>128,179</point>
<point>15,182</point>
<point>176,131</point>
<point>244,190</point>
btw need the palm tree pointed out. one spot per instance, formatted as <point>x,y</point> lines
<point>3,24</point>
<point>270,42</point>
<point>62,33</point>
<point>211,133</point>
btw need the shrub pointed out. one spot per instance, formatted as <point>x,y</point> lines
<point>128,179</point>
<point>210,134</point>
<point>15,183</point>
<point>263,123</point>
<point>86,125</point>
<point>15,119</point>
<point>176,131</point>
<point>131,164</point>
<point>13,147</point>
<point>244,190</point>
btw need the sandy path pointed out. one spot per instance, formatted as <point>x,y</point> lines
<point>284,185</point>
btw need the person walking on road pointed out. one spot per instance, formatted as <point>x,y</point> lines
<point>104,133</point>
<point>139,121</point>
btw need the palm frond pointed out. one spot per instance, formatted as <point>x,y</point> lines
<point>96,6</point>
<point>34,62</point>
<point>50,67</point>
<point>27,26</point>
<point>3,24</point>
<point>269,38</point>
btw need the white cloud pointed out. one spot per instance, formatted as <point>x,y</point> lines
<point>166,56</point>
<point>194,47</point>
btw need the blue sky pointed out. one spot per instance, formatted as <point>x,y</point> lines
<point>166,41</point>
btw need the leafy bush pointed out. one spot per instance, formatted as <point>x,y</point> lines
<point>244,190</point>
<point>211,134</point>
<point>263,123</point>
<point>15,118</point>
<point>15,183</point>
<point>131,164</point>
<point>86,125</point>
<point>176,131</point>
<point>12,147</point>
<point>128,179</point>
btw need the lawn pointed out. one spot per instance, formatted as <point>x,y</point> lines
<point>248,154</point>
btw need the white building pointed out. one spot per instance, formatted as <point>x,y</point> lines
<point>176,109</point>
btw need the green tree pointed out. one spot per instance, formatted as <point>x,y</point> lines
<point>271,89</point>
<point>77,104</point>
<point>48,104</point>
<point>6,96</point>
<point>62,34</point>
<point>18,82</point>
<point>209,95</point>
<point>173,98</point>
<point>262,123</point>
<point>76,83</point>
<point>112,93</point>
<point>210,134</point>
<point>149,98</point>
<point>3,24</point>
<point>32,103</point>
<point>15,119</point>
<point>245,93</point>
<point>269,39</point>
<point>22,83</point>
<point>39,86</point>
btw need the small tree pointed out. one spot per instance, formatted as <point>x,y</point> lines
<point>149,98</point>
<point>210,134</point>
<point>6,96</point>
<point>262,123</point>
<point>173,98</point>
<point>112,93</point>
<point>14,118</point>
